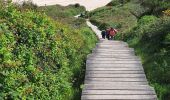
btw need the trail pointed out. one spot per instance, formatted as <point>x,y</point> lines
<point>114,72</point>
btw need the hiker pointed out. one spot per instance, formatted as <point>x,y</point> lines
<point>112,32</point>
<point>107,34</point>
<point>103,33</point>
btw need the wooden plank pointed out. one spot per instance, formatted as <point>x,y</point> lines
<point>113,50</point>
<point>117,92</point>
<point>113,59</point>
<point>121,48</point>
<point>112,46</point>
<point>113,53</point>
<point>117,79</point>
<point>112,56</point>
<point>108,52</point>
<point>113,65</point>
<point>116,87</point>
<point>120,83</point>
<point>115,72</point>
<point>114,69</point>
<point>118,97</point>
<point>112,43</point>
<point>113,62</point>
<point>115,75</point>
<point>96,66</point>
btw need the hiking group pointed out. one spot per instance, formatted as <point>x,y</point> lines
<point>109,33</point>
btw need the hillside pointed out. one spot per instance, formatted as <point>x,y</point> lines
<point>145,26</point>
<point>41,58</point>
<point>63,14</point>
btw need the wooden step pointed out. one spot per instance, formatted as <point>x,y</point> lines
<point>119,97</point>
<point>113,62</point>
<point>114,69</point>
<point>114,59</point>
<point>113,50</point>
<point>106,45</point>
<point>118,92</point>
<point>117,79</point>
<point>126,56</point>
<point>116,87</point>
<point>115,76</point>
<point>120,83</point>
<point>115,72</point>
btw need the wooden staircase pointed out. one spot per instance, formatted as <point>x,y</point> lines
<point>113,72</point>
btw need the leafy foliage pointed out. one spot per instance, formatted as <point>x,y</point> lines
<point>40,58</point>
<point>60,13</point>
<point>156,6</point>
<point>117,2</point>
<point>151,40</point>
<point>116,16</point>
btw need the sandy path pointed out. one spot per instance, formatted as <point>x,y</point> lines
<point>89,4</point>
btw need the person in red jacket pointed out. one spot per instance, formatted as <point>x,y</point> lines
<point>112,32</point>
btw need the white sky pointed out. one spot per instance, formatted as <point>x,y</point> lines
<point>89,4</point>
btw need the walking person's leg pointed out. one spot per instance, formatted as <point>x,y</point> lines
<point>108,37</point>
<point>111,37</point>
<point>103,36</point>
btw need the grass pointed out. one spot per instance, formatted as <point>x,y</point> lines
<point>114,16</point>
<point>63,14</point>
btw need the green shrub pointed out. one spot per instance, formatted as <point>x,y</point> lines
<point>59,12</point>
<point>118,17</point>
<point>40,57</point>
<point>150,38</point>
<point>117,2</point>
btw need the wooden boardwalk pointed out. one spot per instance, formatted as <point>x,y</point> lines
<point>113,72</point>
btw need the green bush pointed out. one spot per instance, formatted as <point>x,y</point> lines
<point>59,12</point>
<point>117,16</point>
<point>40,58</point>
<point>156,6</point>
<point>117,2</point>
<point>150,38</point>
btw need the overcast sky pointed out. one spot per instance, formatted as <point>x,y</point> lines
<point>89,4</point>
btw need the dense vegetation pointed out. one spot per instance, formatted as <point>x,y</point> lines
<point>40,58</point>
<point>145,25</point>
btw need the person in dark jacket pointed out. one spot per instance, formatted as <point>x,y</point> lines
<point>107,34</point>
<point>103,33</point>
